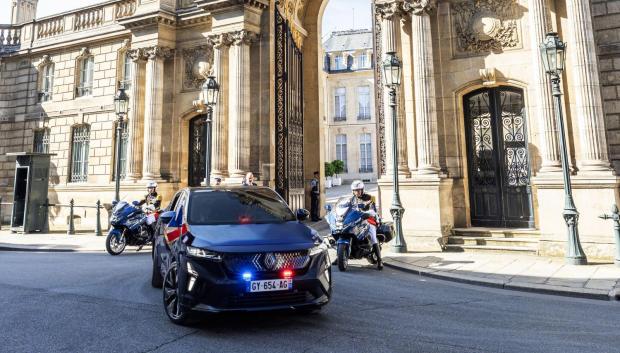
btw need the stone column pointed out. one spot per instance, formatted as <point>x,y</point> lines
<point>389,13</point>
<point>221,45</point>
<point>239,103</point>
<point>586,88</point>
<point>153,114</point>
<point>424,85</point>
<point>136,116</point>
<point>541,89</point>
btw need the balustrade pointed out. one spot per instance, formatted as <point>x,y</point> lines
<point>125,8</point>
<point>51,27</point>
<point>9,37</point>
<point>88,19</point>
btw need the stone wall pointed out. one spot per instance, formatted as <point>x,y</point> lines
<point>606,21</point>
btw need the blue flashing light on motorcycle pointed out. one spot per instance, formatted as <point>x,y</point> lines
<point>351,233</point>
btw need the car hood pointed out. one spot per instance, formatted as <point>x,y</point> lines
<point>287,236</point>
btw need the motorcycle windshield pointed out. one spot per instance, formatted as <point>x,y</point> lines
<point>342,206</point>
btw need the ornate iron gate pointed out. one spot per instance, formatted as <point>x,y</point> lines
<point>289,129</point>
<point>196,172</point>
<point>498,159</point>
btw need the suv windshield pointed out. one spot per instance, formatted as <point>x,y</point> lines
<point>237,206</point>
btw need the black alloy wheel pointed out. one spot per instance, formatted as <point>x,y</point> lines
<point>172,303</point>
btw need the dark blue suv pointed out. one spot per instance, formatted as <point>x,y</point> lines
<point>238,249</point>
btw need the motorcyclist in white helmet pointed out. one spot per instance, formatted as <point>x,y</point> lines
<point>152,198</point>
<point>366,203</point>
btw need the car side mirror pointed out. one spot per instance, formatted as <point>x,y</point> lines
<point>302,214</point>
<point>166,217</point>
<point>328,208</point>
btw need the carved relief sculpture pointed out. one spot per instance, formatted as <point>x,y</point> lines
<point>482,26</point>
<point>192,58</point>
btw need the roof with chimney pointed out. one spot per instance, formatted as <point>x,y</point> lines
<point>348,40</point>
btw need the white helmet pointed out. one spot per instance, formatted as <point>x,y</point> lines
<point>151,184</point>
<point>357,185</point>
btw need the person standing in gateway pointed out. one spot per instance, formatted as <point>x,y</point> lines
<point>315,194</point>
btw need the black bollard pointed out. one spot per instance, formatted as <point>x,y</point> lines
<point>614,216</point>
<point>98,229</point>
<point>71,229</point>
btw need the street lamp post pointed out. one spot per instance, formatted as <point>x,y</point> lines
<point>391,79</point>
<point>553,51</point>
<point>210,91</point>
<point>121,105</point>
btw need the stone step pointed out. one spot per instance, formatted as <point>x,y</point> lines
<point>491,249</point>
<point>496,232</point>
<point>493,241</point>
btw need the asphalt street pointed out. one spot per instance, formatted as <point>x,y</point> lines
<point>71,302</point>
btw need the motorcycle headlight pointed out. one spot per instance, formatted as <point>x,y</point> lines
<point>319,248</point>
<point>203,254</point>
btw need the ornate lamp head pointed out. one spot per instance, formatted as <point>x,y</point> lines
<point>210,91</point>
<point>553,50</point>
<point>391,70</point>
<point>121,101</point>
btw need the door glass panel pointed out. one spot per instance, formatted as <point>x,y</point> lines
<point>516,166</point>
<point>482,140</point>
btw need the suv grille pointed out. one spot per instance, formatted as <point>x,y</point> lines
<point>266,262</point>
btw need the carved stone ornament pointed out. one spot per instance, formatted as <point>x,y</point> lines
<point>243,37</point>
<point>197,62</point>
<point>387,10</point>
<point>159,52</point>
<point>294,12</point>
<point>84,52</point>
<point>483,26</point>
<point>419,7</point>
<point>137,54</point>
<point>45,59</point>
<point>219,41</point>
<point>488,76</point>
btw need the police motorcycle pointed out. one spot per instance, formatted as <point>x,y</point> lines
<point>131,225</point>
<point>351,233</point>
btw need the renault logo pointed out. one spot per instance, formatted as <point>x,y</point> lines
<point>270,261</point>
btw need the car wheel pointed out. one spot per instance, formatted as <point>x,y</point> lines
<point>156,279</point>
<point>343,257</point>
<point>115,246</point>
<point>172,302</point>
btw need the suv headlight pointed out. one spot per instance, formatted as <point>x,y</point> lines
<point>203,253</point>
<point>319,248</point>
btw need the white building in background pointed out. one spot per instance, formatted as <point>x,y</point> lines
<point>349,117</point>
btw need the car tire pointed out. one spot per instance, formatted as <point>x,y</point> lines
<point>172,305</point>
<point>157,280</point>
<point>343,257</point>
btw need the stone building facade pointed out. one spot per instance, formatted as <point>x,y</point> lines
<point>349,119</point>
<point>478,144</point>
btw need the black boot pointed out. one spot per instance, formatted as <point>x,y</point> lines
<point>377,250</point>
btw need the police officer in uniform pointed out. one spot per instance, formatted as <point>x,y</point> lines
<point>315,194</point>
<point>152,198</point>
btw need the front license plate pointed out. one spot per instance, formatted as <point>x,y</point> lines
<point>271,285</point>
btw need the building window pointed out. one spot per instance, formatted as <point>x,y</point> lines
<point>341,150</point>
<point>123,155</point>
<point>365,153</point>
<point>126,73</point>
<point>340,104</point>
<point>85,77</point>
<point>362,61</point>
<point>41,143</point>
<point>47,82</point>
<point>80,141</point>
<point>363,103</point>
<point>339,63</point>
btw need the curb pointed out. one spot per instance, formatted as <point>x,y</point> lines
<point>612,295</point>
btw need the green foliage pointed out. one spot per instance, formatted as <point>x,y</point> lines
<point>338,166</point>
<point>329,169</point>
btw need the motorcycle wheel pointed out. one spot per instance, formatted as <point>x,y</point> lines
<point>343,257</point>
<point>115,246</point>
<point>172,303</point>
<point>372,259</point>
<point>157,280</point>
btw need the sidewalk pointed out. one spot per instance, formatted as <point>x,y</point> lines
<point>516,272</point>
<point>51,242</point>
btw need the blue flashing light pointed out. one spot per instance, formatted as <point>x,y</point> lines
<point>247,276</point>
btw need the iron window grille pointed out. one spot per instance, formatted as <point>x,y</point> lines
<point>79,153</point>
<point>41,143</point>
